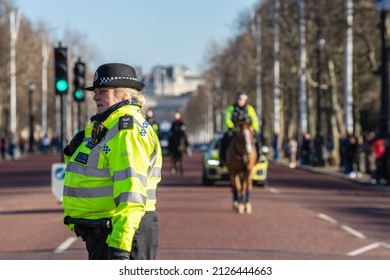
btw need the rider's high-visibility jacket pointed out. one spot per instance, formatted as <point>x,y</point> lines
<point>117,177</point>
<point>229,115</point>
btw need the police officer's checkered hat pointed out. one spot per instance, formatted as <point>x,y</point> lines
<point>115,75</point>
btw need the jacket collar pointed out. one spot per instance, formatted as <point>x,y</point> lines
<point>102,117</point>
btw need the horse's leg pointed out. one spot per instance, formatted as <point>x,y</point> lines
<point>248,205</point>
<point>242,193</point>
<point>234,191</point>
<point>240,197</point>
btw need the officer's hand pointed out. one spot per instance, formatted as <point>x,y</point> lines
<point>118,254</point>
<point>74,143</point>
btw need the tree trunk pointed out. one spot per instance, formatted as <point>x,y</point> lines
<point>336,116</point>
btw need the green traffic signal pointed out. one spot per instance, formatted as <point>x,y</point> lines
<point>78,95</point>
<point>62,85</point>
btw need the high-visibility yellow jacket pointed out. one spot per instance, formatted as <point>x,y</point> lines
<point>117,177</point>
<point>250,112</point>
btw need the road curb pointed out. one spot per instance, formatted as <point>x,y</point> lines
<point>364,180</point>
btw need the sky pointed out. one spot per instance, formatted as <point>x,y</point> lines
<point>141,33</point>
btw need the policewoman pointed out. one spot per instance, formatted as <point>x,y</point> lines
<point>113,168</point>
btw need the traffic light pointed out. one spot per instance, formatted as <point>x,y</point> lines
<point>61,70</point>
<point>79,81</point>
<point>78,95</point>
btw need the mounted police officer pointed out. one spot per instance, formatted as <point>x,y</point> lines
<point>240,110</point>
<point>113,168</point>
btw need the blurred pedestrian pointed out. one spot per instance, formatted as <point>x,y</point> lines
<point>352,150</point>
<point>3,148</point>
<point>22,145</point>
<point>12,145</point>
<point>178,144</point>
<point>369,153</point>
<point>45,144</point>
<point>151,120</point>
<point>379,146</point>
<point>306,149</point>
<point>386,161</point>
<point>291,152</point>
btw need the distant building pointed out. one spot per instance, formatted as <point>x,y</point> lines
<point>168,90</point>
<point>165,107</point>
<point>172,80</point>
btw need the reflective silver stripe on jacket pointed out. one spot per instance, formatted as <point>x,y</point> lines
<point>130,197</point>
<point>93,159</point>
<point>88,171</point>
<point>151,193</point>
<point>95,192</point>
<point>114,131</point>
<point>109,135</point>
<point>127,173</point>
<point>107,191</point>
<point>154,172</point>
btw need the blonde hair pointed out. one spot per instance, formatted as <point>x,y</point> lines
<point>133,95</point>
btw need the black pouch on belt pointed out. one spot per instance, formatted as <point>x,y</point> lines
<point>82,231</point>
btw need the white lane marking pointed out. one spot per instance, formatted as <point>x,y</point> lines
<point>365,249</point>
<point>344,227</point>
<point>386,245</point>
<point>272,190</point>
<point>353,232</point>
<point>65,245</point>
<point>327,218</point>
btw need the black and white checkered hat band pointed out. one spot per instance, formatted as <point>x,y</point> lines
<point>105,80</point>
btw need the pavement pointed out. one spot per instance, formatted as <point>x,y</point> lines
<point>361,178</point>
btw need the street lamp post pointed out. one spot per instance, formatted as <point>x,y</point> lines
<point>383,7</point>
<point>31,89</point>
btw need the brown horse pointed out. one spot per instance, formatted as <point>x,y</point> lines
<point>241,157</point>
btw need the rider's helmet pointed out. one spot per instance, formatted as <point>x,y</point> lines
<point>241,95</point>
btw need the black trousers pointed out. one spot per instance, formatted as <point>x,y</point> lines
<point>145,242</point>
<point>225,142</point>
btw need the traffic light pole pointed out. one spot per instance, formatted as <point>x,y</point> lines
<point>78,116</point>
<point>62,138</point>
<point>79,72</point>
<point>61,87</point>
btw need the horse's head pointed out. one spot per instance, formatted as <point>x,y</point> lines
<point>246,133</point>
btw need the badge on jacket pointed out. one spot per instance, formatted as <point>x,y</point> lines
<point>82,158</point>
<point>125,122</point>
